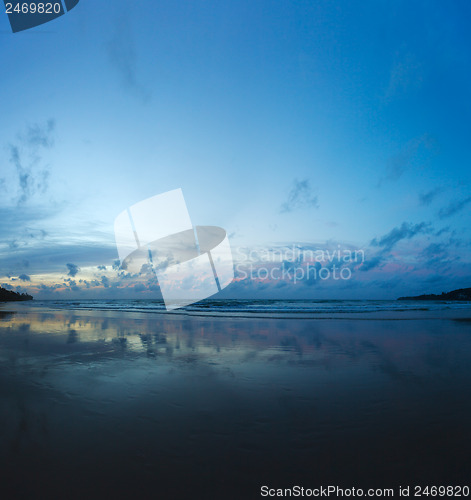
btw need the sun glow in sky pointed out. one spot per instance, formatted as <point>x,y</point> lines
<point>316,124</point>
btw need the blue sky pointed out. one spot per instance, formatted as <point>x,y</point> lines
<point>314,124</point>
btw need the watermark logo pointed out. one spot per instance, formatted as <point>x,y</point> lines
<point>294,264</point>
<point>191,262</point>
<point>26,14</point>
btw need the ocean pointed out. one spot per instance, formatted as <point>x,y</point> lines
<point>249,308</point>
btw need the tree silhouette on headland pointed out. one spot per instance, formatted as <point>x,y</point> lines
<point>8,296</point>
<point>461,294</point>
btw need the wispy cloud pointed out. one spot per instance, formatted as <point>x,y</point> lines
<point>405,231</point>
<point>373,262</point>
<point>30,176</point>
<point>122,54</point>
<point>425,199</point>
<point>414,154</point>
<point>386,243</point>
<point>300,196</point>
<point>49,257</point>
<point>454,207</point>
<point>16,221</point>
<point>22,233</point>
<point>40,135</point>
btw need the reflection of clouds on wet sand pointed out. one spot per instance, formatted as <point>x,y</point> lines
<point>147,399</point>
<point>404,350</point>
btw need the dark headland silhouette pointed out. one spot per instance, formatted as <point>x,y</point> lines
<point>9,296</point>
<point>461,294</point>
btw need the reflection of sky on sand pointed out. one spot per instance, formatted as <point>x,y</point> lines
<point>164,396</point>
<point>402,347</point>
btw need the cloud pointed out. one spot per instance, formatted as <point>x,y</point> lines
<point>20,226</point>
<point>405,231</point>
<point>48,256</point>
<point>101,268</point>
<point>24,277</point>
<point>453,208</point>
<point>387,242</point>
<point>105,281</point>
<point>434,250</point>
<point>373,262</point>
<point>29,177</point>
<point>123,57</point>
<point>416,152</point>
<point>425,199</point>
<point>437,256</point>
<point>139,288</point>
<point>41,135</point>
<point>72,285</point>
<point>300,196</point>
<point>443,230</point>
<point>73,269</point>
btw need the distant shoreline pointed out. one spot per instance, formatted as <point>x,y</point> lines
<point>463,294</point>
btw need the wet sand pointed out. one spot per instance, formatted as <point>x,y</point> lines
<point>120,405</point>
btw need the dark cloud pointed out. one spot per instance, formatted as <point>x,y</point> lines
<point>387,242</point>
<point>105,281</point>
<point>49,288</point>
<point>24,277</point>
<point>425,199</point>
<point>405,231</point>
<point>101,268</point>
<point>434,250</point>
<point>441,255</point>
<point>71,285</point>
<point>413,154</point>
<point>85,282</point>
<point>454,207</point>
<point>373,262</point>
<point>300,196</point>
<point>436,254</point>
<point>73,269</point>
<point>443,230</point>
<point>123,57</point>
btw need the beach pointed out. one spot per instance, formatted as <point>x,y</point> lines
<point>119,401</point>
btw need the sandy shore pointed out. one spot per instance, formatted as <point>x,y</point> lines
<point>109,404</point>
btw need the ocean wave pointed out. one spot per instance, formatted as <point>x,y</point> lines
<point>257,307</point>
